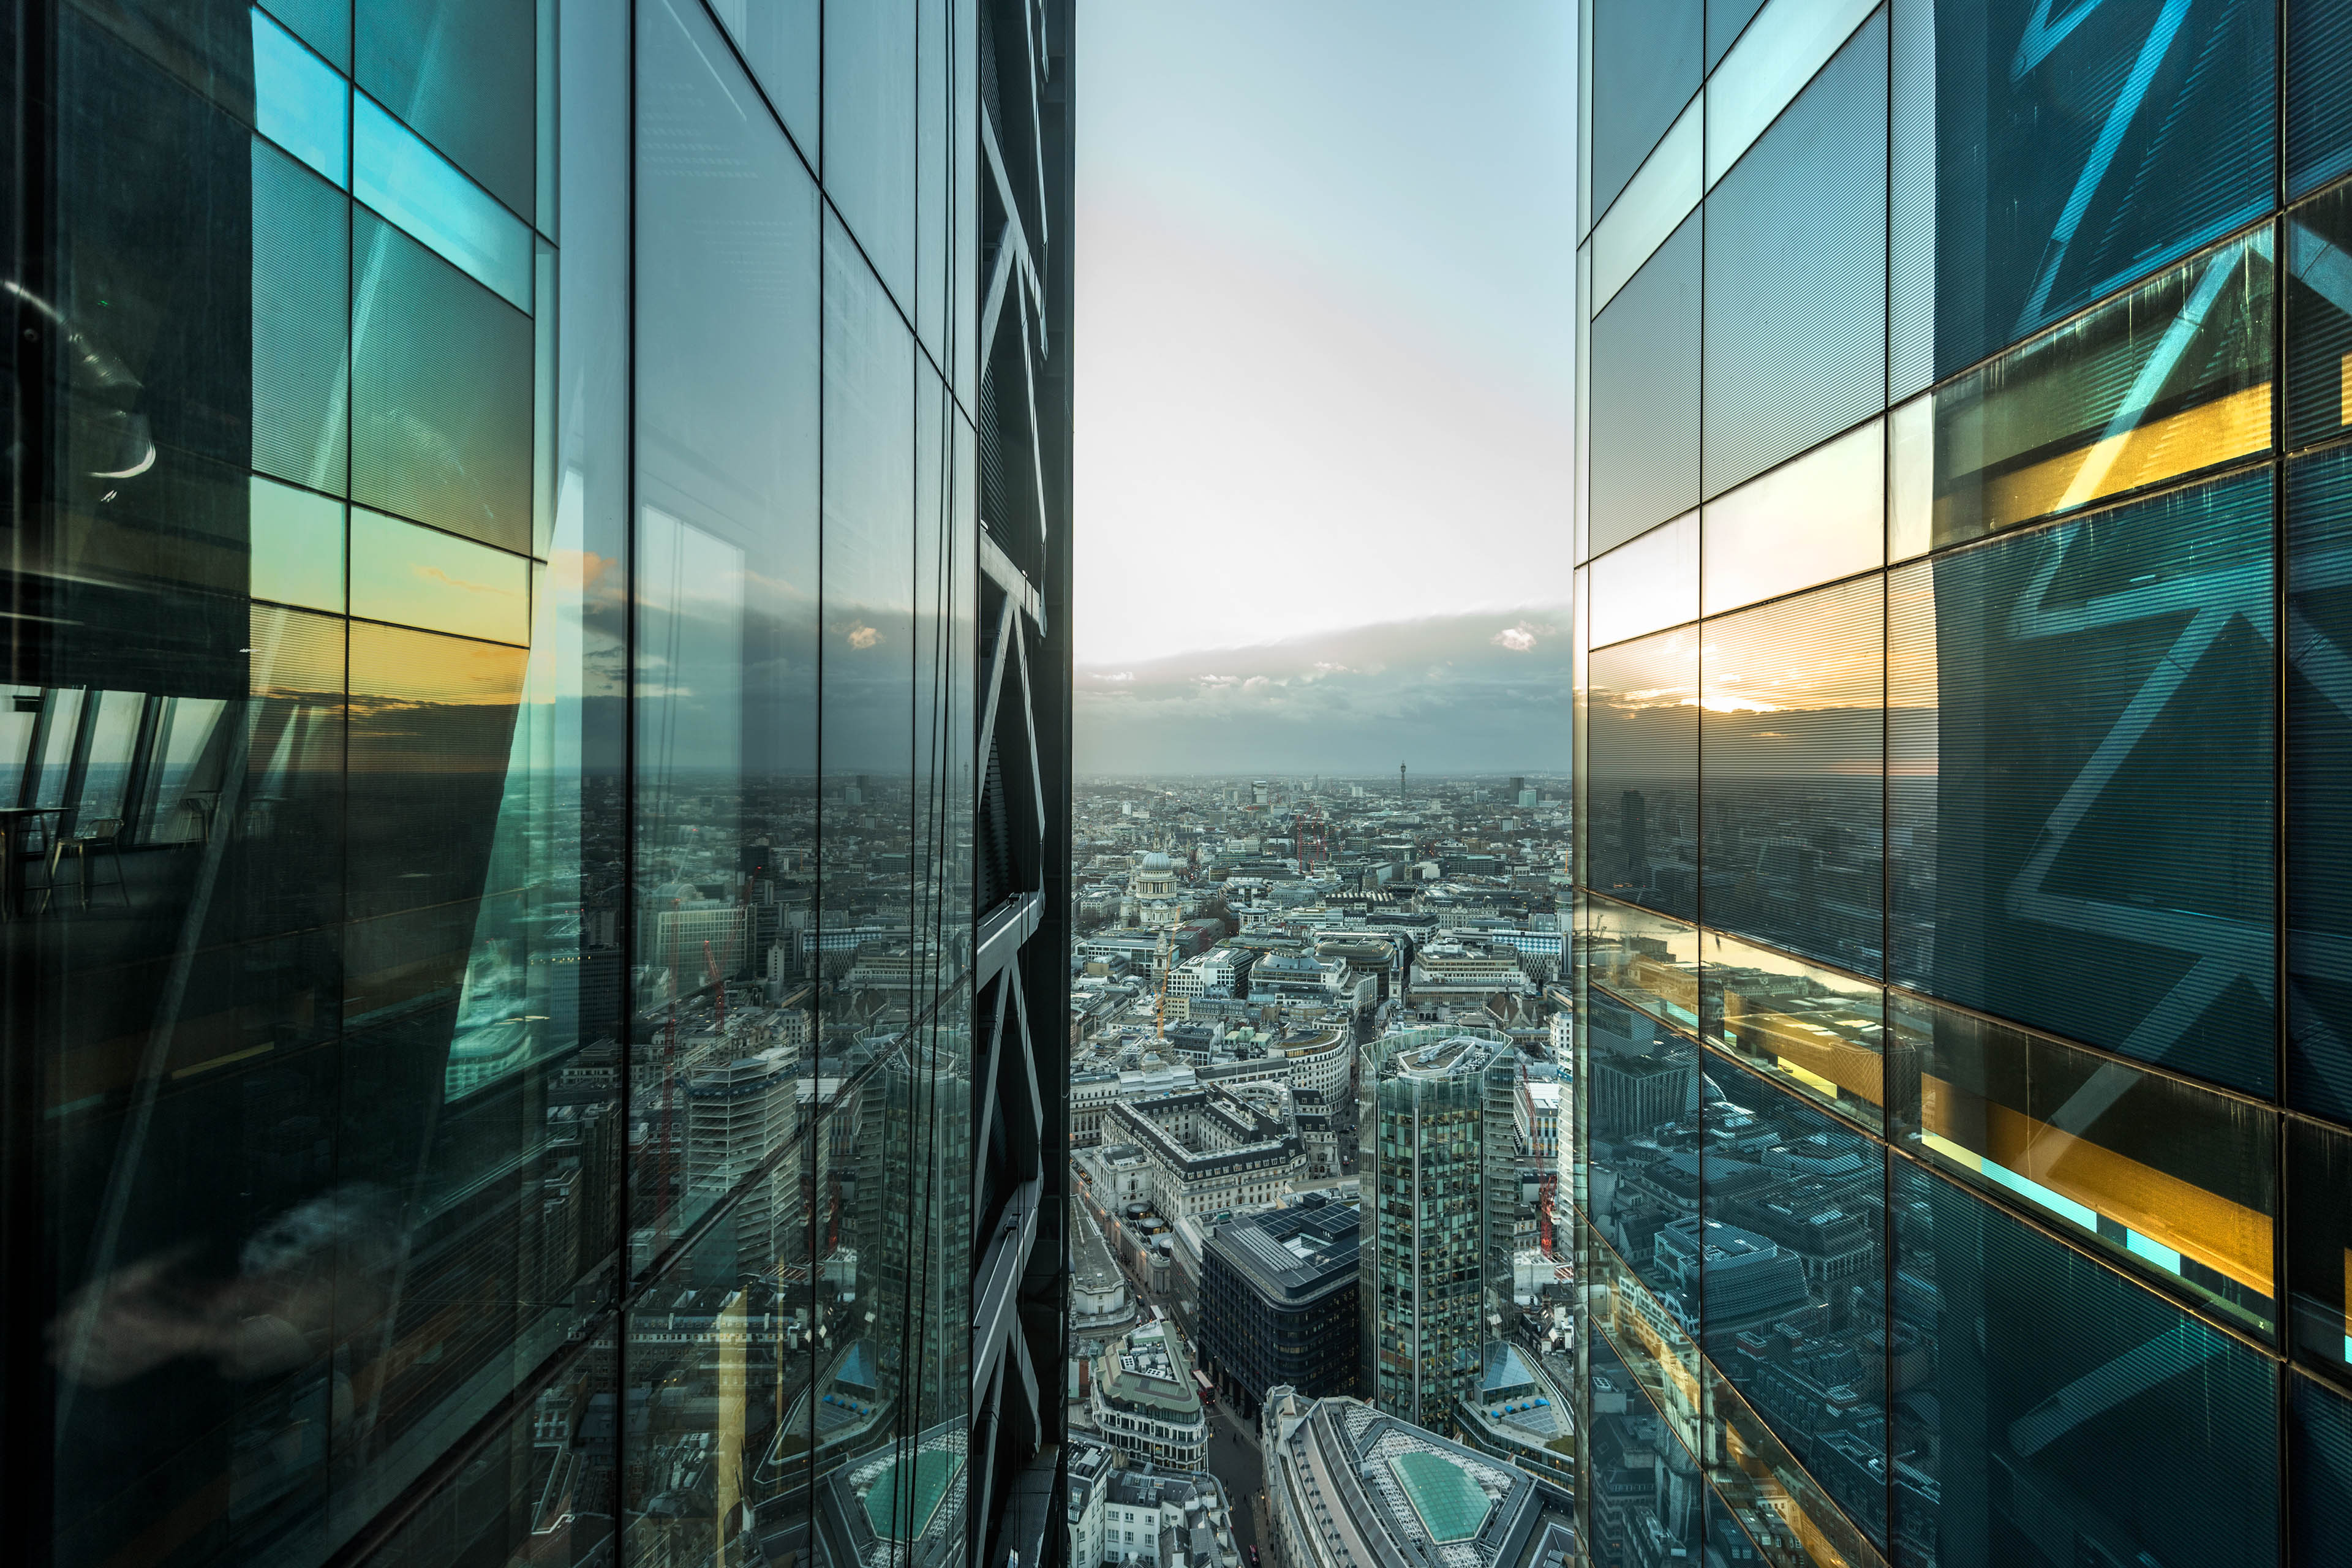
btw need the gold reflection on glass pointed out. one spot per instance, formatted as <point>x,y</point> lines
<point>2172,377</point>
<point>420,577</point>
<point>1812,1027</point>
<point>1645,959</point>
<point>1792,667</point>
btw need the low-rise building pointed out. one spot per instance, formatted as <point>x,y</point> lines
<point>1141,1514</point>
<point>1144,1403</point>
<point>1210,1151</point>
<point>1279,1302</point>
<point>1519,1416</point>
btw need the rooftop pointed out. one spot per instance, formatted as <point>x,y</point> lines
<point>1296,1255</point>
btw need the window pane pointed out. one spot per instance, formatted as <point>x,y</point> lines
<point>1791,1244</point>
<point>869,133</point>
<point>324,25</point>
<point>302,316</point>
<point>1644,370</point>
<point>299,102</point>
<point>1725,18</point>
<point>1796,272</point>
<point>1771,65</point>
<point>2167,141</point>
<point>1653,205</point>
<point>778,41</point>
<point>2082,779</point>
<point>298,546</point>
<point>1647,585</point>
<point>2051,1406</point>
<point>2163,1177</point>
<point>465,74</point>
<point>2319,788</point>
<point>1646,66</point>
<point>2318,93</point>
<point>1815,520</point>
<point>2170,378</point>
<point>1643,709</point>
<point>397,174</point>
<point>441,393</point>
<point>2319,319</point>
<point>2320,1248</point>
<point>420,577</point>
<point>1643,1486</point>
<point>1646,960</point>
<point>2320,1462</point>
<point>1813,1029</point>
<point>1646,1334</point>
<point>1791,743</point>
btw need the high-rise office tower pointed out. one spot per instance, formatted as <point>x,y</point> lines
<point>1964,990</point>
<point>533,775</point>
<point>1440,1173</point>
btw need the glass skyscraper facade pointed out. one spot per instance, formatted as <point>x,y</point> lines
<point>1963,1049</point>
<point>533,781</point>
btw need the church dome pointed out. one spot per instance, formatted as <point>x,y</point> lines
<point>1158,861</point>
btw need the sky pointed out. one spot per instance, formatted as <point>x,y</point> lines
<point>1323,356</point>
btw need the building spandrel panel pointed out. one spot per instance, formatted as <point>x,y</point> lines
<point>1643,844</point>
<point>1646,68</point>
<point>1810,1029</point>
<point>1814,519</point>
<point>2078,153</point>
<point>464,74</point>
<point>2039,1398</point>
<point>1791,748</point>
<point>1645,390</point>
<point>2160,1176</point>
<point>2082,779</point>
<point>1796,273</point>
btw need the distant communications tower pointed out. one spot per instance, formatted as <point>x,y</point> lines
<point>1399,783</point>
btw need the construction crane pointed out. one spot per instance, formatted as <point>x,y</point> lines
<point>718,983</point>
<point>1163,958</point>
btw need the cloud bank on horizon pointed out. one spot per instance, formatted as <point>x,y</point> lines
<point>1476,692</point>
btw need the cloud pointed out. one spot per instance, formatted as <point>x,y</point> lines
<point>864,637</point>
<point>1519,638</point>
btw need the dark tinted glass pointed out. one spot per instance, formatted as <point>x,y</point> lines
<point>1646,66</point>
<point>2081,779</point>
<point>1646,359</point>
<point>1654,1346</point>
<point>2320,1248</point>
<point>1791,1244</point>
<point>1766,1486</point>
<point>2162,1178</point>
<point>1791,745</point>
<point>1641,1487</point>
<point>2172,377</point>
<point>2318,93</point>
<point>463,74</point>
<point>2319,1461</point>
<point>1796,272</point>
<point>302,316</point>
<point>1643,723</point>
<point>2103,142</point>
<point>2048,1406</point>
<point>324,25</point>
<point>2319,790</point>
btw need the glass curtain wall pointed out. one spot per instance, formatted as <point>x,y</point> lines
<point>488,780</point>
<point>1963,1095</point>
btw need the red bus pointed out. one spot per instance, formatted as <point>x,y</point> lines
<point>1208,1389</point>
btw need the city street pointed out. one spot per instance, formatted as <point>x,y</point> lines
<point>1234,1459</point>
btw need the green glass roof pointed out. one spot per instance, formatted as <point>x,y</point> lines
<point>1450,1503</point>
<point>933,1470</point>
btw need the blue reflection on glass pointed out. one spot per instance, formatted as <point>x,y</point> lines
<point>406,181</point>
<point>298,100</point>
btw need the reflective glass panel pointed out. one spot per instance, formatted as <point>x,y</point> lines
<point>299,102</point>
<point>1649,1335</point>
<point>1791,750</point>
<point>870,111</point>
<point>2320,790</point>
<point>1911,478</point>
<point>1791,1243</point>
<point>2172,377</point>
<point>1815,1030</point>
<point>1723,20</point>
<point>778,41</point>
<point>2319,1463</point>
<point>1773,60</point>
<point>1796,270</point>
<point>2319,319</point>
<point>1653,205</point>
<point>421,577</point>
<point>2318,98</point>
<point>1644,375</point>
<point>2098,144</point>
<point>398,175</point>
<point>2048,1404</point>
<point>2081,779</point>
<point>1648,583</point>
<point>298,546</point>
<point>324,25</point>
<point>1641,1486</point>
<point>2320,1248</point>
<point>1817,518</point>
<point>1646,66</point>
<point>1643,719</point>
<point>464,74</point>
<point>301,323</point>
<point>2164,1177</point>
